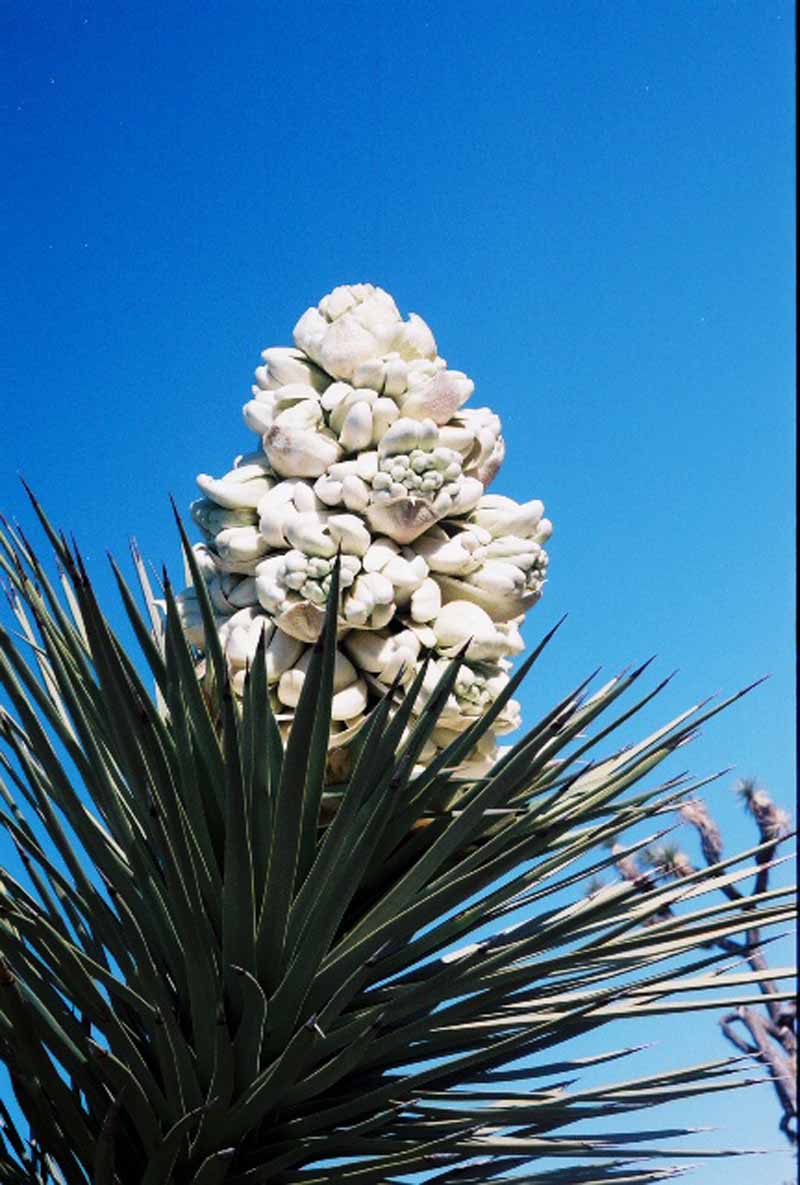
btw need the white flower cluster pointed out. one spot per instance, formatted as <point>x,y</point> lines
<point>366,451</point>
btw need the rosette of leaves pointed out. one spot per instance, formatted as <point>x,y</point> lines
<point>211,973</point>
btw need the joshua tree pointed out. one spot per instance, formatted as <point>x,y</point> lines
<point>251,945</point>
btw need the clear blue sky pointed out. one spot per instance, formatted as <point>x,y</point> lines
<point>591,203</point>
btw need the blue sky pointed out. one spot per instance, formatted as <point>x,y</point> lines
<point>592,205</point>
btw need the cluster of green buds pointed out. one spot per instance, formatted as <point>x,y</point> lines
<point>367,452</point>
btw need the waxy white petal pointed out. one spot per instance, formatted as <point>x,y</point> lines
<point>446,555</point>
<point>504,516</point>
<point>440,398</point>
<point>295,452</point>
<point>258,416</point>
<point>379,553</point>
<point>426,601</point>
<point>309,533</point>
<point>401,437</point>
<point>302,620</point>
<point>329,491</point>
<point>369,374</point>
<point>404,576</point>
<point>234,495</point>
<point>414,339</point>
<point>213,518</point>
<point>356,431</point>
<point>348,532</point>
<point>384,413</point>
<point>285,364</point>
<point>282,653</point>
<point>402,519</point>
<point>355,493</point>
<point>241,543</point>
<point>350,702</point>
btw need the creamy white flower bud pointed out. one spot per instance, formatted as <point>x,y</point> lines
<point>350,701</point>
<point>395,376</point>
<point>543,531</point>
<point>399,661</point>
<point>425,635</point>
<point>258,416</point>
<point>521,552</point>
<point>460,622</point>
<point>309,533</point>
<point>339,301</point>
<point>438,399</point>
<point>356,431</point>
<point>367,465</point>
<point>349,533</point>
<point>355,493</point>
<point>362,595</point>
<point>369,374</point>
<point>282,653</point>
<point>504,516</point>
<point>300,412</point>
<point>234,495</point>
<point>349,399</point>
<point>384,413</point>
<point>282,503</point>
<point>401,518</point>
<point>405,576</point>
<point>401,437</point>
<point>381,588</point>
<point>329,491</point>
<point>356,612</point>
<point>370,651</point>
<point>285,364</point>
<point>499,576</point>
<point>334,397</point>
<point>458,438</point>
<point>451,556</point>
<point>487,451</point>
<point>295,452</point>
<point>468,493</point>
<point>213,518</point>
<point>241,644</point>
<point>426,601</point>
<point>290,686</point>
<point>190,616</point>
<point>414,339</point>
<point>379,553</point>
<point>361,332</point>
<point>241,544</point>
<point>270,590</point>
<point>242,619</point>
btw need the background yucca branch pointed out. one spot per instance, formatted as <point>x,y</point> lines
<point>769,1033</point>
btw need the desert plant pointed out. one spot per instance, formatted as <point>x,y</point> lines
<point>261,937</point>
<point>227,970</point>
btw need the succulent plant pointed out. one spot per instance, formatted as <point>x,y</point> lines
<point>231,954</point>
<point>218,969</point>
<point>367,451</point>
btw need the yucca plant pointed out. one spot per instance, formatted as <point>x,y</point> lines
<point>227,968</point>
<point>255,852</point>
